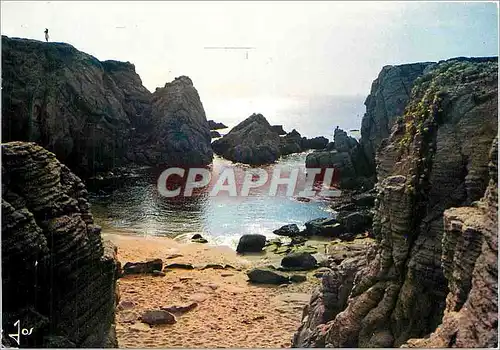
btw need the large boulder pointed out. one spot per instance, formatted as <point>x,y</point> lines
<point>299,261</point>
<point>293,142</point>
<point>290,230</point>
<point>251,243</point>
<point>265,276</point>
<point>155,317</point>
<point>326,227</point>
<point>58,275</point>
<point>252,142</point>
<point>356,222</point>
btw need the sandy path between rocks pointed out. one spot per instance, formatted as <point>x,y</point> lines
<point>230,312</point>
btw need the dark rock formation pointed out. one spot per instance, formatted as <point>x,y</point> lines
<point>154,317</point>
<point>346,157</point>
<point>435,158</point>
<point>326,227</point>
<point>95,115</point>
<point>197,238</point>
<point>252,243</point>
<point>180,309</point>
<point>293,142</point>
<point>287,230</point>
<point>265,276</point>
<point>319,142</point>
<point>58,276</point>
<point>180,266</point>
<point>179,128</point>
<point>215,134</point>
<point>143,267</point>
<point>278,129</point>
<point>299,261</point>
<point>252,142</point>
<point>216,126</point>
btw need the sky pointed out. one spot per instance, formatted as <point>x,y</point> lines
<point>297,48</point>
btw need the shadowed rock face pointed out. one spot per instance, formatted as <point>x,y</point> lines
<point>180,128</point>
<point>58,276</point>
<point>428,264</point>
<point>470,264</point>
<point>97,115</point>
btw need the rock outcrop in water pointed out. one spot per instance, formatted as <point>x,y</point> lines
<point>58,276</point>
<point>213,125</point>
<point>434,270</point>
<point>346,157</point>
<point>95,115</point>
<point>254,141</point>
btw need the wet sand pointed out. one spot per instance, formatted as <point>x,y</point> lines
<point>230,311</point>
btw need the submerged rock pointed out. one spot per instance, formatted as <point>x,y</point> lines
<point>251,243</point>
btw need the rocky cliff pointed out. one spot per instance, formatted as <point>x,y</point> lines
<point>97,115</point>
<point>387,100</point>
<point>427,264</point>
<point>58,276</point>
<point>180,131</point>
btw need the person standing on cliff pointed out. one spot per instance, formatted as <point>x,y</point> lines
<point>46,35</point>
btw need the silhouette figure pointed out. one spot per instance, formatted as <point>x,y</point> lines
<point>46,35</point>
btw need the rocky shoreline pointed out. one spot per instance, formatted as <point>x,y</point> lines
<point>408,258</point>
<point>204,290</point>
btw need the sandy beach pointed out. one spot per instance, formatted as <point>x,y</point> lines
<point>230,312</point>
